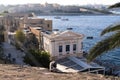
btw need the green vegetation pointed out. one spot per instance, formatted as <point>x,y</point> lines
<point>42,57</point>
<point>17,46</point>
<point>107,44</point>
<point>20,36</point>
<point>28,61</point>
<point>31,42</point>
<point>5,11</point>
<point>115,5</point>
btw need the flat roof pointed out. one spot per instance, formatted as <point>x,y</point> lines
<point>38,28</point>
<point>25,30</point>
<point>11,33</point>
<point>77,64</point>
<point>54,34</point>
<point>34,18</point>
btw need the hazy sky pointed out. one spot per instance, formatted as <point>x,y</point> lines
<point>64,2</point>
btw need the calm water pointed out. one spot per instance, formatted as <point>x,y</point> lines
<point>89,26</point>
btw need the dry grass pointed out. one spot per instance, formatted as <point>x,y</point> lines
<point>15,72</point>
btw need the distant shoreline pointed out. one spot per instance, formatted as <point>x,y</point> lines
<point>72,14</point>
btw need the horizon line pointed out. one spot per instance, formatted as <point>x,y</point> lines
<point>55,3</point>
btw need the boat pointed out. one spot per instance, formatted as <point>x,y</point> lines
<point>57,17</point>
<point>90,37</point>
<point>69,28</point>
<point>66,19</point>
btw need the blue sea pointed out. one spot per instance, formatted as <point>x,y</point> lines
<point>89,26</point>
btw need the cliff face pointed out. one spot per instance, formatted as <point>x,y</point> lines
<point>15,72</point>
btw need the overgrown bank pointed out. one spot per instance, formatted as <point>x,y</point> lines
<point>41,56</point>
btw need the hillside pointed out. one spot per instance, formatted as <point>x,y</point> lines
<point>15,72</point>
<point>56,9</point>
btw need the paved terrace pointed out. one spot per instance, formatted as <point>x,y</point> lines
<point>16,56</point>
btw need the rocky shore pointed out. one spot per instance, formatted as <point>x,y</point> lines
<point>17,72</point>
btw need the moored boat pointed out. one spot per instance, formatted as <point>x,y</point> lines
<point>57,17</point>
<point>66,19</point>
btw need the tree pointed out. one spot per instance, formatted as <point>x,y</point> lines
<point>31,42</point>
<point>45,58</point>
<point>107,44</point>
<point>20,36</point>
<point>115,5</point>
<point>5,12</point>
<point>41,56</point>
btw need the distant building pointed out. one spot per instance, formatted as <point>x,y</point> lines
<point>11,22</point>
<point>83,9</point>
<point>1,20</point>
<point>62,44</point>
<point>36,22</point>
<point>19,15</point>
<point>26,22</point>
<point>37,32</point>
<point>35,26</point>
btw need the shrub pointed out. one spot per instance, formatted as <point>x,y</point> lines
<point>45,58</point>
<point>20,36</point>
<point>28,61</point>
<point>17,46</point>
<point>42,57</point>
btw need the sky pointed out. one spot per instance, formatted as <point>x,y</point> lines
<point>63,2</point>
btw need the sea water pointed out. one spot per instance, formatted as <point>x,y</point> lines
<point>90,26</point>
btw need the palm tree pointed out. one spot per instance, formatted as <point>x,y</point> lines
<point>107,44</point>
<point>115,5</point>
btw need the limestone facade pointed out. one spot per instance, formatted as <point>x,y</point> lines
<point>62,44</point>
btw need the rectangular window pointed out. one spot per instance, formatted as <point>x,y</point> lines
<point>41,22</point>
<point>74,47</point>
<point>60,48</point>
<point>48,25</point>
<point>67,47</point>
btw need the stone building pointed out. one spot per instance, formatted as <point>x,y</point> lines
<point>36,22</point>
<point>62,44</point>
<point>11,22</point>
